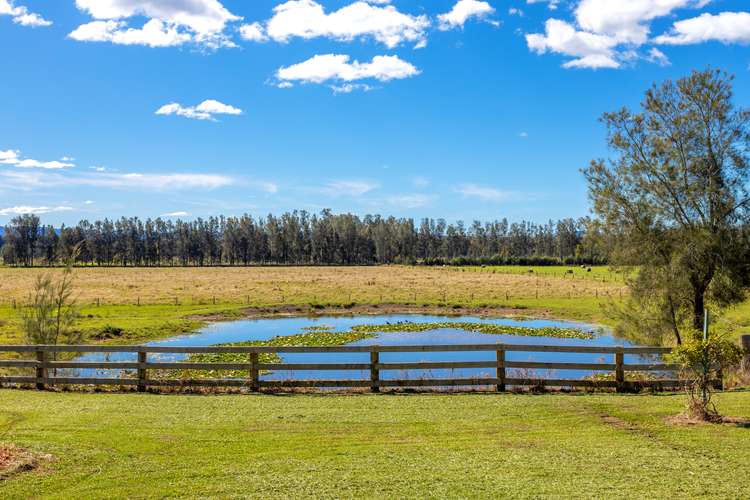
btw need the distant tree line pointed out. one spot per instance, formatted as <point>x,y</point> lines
<point>296,238</point>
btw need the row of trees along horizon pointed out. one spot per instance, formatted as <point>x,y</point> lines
<point>297,238</point>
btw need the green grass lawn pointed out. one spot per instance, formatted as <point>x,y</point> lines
<point>386,446</point>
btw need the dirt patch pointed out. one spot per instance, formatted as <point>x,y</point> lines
<point>618,423</point>
<point>686,420</point>
<point>15,460</point>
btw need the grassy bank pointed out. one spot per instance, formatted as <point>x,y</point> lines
<point>146,446</point>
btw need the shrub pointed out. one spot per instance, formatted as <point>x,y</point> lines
<point>701,362</point>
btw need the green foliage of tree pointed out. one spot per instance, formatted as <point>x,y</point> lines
<point>673,200</point>
<point>297,237</point>
<point>702,361</point>
<point>50,317</point>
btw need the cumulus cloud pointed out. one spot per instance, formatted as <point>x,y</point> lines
<point>203,111</point>
<point>589,50</point>
<point>170,23</point>
<point>308,19</point>
<point>24,209</point>
<point>21,14</point>
<point>628,22</point>
<point>464,10</point>
<point>339,68</point>
<point>154,33</point>
<point>12,157</point>
<point>605,33</point>
<point>726,27</point>
<point>254,32</point>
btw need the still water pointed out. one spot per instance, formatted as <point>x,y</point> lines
<point>265,329</point>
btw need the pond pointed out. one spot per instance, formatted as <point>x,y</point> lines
<point>267,329</point>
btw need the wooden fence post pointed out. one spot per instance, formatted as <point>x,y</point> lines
<point>746,347</point>
<point>620,371</point>
<point>374,371</point>
<point>500,375</point>
<point>254,373</point>
<point>142,360</point>
<point>41,370</point>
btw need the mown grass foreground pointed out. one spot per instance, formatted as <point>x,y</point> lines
<point>437,445</point>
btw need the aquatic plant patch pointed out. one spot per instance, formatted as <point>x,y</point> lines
<point>487,328</point>
<point>318,338</point>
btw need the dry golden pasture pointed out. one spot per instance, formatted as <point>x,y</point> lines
<point>262,286</point>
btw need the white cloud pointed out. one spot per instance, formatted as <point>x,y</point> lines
<point>348,88</point>
<point>349,188</point>
<point>488,193</point>
<point>254,32</point>
<point>170,23</point>
<point>158,182</point>
<point>12,157</point>
<point>462,11</point>
<point>412,200</point>
<point>268,187</point>
<point>551,4</point>
<point>23,210</point>
<point>607,33</point>
<point>180,213</point>
<point>21,15</point>
<point>336,67</point>
<point>656,56</point>
<point>590,50</point>
<point>628,22</point>
<point>28,180</point>
<point>513,11</point>
<point>88,202</point>
<point>308,19</point>
<point>9,154</point>
<point>154,33</point>
<point>203,111</point>
<point>726,27</point>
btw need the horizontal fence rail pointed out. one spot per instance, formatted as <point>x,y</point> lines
<point>45,366</point>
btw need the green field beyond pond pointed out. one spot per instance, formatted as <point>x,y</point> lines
<point>368,446</point>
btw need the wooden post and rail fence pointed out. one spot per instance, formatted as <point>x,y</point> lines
<point>140,371</point>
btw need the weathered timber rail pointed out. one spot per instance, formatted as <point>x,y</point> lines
<point>44,364</point>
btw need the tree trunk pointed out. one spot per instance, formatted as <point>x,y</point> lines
<point>698,309</point>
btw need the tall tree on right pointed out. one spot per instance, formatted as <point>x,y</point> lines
<point>673,201</point>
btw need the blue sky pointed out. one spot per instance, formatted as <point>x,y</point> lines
<point>462,110</point>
